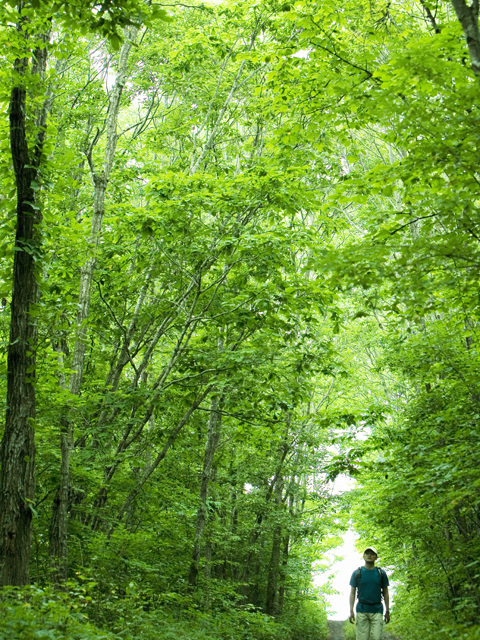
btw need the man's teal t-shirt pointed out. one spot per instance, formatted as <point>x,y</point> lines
<point>369,590</point>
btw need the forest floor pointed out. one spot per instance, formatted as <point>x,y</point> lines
<point>335,631</point>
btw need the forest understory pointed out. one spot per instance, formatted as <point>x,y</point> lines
<point>239,258</point>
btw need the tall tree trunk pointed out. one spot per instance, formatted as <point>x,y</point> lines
<point>208,551</point>
<point>283,574</point>
<point>467,15</point>
<point>213,438</point>
<point>258,524</point>
<point>58,532</point>
<point>17,449</point>
<point>234,571</point>
<point>285,555</point>
<point>271,602</point>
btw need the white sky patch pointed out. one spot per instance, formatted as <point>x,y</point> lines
<point>341,483</point>
<point>345,559</point>
<point>303,53</point>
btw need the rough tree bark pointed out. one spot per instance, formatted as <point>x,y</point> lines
<point>17,450</point>
<point>468,18</point>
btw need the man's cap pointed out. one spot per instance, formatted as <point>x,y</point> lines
<point>371,549</point>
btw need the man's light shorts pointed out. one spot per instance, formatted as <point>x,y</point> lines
<point>369,626</point>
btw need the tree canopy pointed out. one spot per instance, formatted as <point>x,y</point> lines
<point>239,258</point>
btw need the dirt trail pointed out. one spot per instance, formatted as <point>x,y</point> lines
<point>335,631</point>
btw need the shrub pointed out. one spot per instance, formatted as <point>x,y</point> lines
<point>41,614</point>
<point>349,629</point>
<point>308,621</point>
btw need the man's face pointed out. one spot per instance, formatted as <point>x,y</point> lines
<point>369,555</point>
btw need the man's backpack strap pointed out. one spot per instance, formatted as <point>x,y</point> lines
<point>383,576</point>
<point>358,575</point>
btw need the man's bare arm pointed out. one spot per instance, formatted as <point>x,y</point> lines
<point>352,604</point>
<point>386,597</point>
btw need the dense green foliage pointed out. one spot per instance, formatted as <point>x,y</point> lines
<point>33,613</point>
<point>179,334</point>
<point>257,261</point>
<point>408,261</point>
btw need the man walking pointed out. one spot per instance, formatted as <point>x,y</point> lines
<point>371,582</point>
